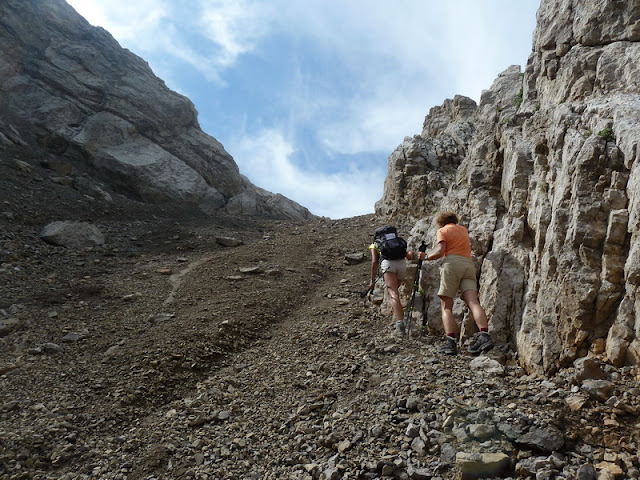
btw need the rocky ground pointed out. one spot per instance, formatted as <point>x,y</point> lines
<point>164,354</point>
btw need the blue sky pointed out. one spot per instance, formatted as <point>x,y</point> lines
<point>310,97</point>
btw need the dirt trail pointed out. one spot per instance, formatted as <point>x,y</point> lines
<point>176,279</point>
<point>149,337</point>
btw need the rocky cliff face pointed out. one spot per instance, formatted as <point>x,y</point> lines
<point>546,175</point>
<point>69,92</point>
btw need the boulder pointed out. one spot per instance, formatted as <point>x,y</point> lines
<point>72,234</point>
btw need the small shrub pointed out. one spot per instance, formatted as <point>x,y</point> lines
<point>519,99</point>
<point>607,135</point>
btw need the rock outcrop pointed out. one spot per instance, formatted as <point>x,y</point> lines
<point>71,93</point>
<point>544,171</point>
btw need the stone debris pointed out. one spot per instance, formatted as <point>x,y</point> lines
<point>8,325</point>
<point>229,241</point>
<point>256,270</point>
<point>324,390</point>
<point>73,337</point>
<point>480,465</point>
<point>355,258</point>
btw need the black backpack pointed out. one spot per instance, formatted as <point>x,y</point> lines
<point>389,244</point>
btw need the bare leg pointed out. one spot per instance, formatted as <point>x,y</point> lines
<point>392,283</point>
<point>448,320</point>
<point>470,297</point>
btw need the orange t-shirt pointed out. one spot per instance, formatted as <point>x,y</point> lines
<point>457,238</point>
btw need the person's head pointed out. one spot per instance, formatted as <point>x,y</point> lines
<point>445,218</point>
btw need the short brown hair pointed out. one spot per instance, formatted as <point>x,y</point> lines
<point>445,218</point>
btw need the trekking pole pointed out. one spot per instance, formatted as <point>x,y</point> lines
<point>370,290</point>
<point>416,287</point>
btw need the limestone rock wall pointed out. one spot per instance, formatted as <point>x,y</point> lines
<point>548,183</point>
<point>70,90</point>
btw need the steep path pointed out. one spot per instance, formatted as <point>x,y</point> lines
<point>266,363</point>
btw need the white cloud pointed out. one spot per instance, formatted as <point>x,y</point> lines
<point>130,22</point>
<point>209,36</point>
<point>235,26</point>
<point>374,125</point>
<point>266,158</point>
<point>405,57</point>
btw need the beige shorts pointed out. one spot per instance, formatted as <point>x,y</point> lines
<point>457,273</point>
<point>399,267</point>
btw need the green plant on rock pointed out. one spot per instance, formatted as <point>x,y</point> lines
<point>607,134</point>
<point>519,99</point>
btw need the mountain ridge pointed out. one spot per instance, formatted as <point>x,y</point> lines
<point>69,89</point>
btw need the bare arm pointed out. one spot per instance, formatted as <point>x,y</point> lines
<point>374,267</point>
<point>438,252</point>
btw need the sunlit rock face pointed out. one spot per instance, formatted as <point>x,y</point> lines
<point>545,173</point>
<point>69,91</point>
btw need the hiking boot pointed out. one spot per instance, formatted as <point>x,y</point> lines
<point>450,346</point>
<point>481,344</point>
<point>399,329</point>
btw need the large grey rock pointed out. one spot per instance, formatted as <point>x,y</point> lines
<point>257,201</point>
<point>72,234</point>
<point>544,439</point>
<point>70,89</point>
<point>479,465</point>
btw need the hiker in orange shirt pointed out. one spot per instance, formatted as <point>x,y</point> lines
<point>458,273</point>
